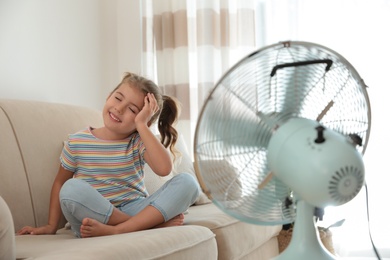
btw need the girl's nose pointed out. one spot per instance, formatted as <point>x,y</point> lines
<point>119,109</point>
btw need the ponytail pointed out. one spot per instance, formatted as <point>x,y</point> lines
<point>168,118</point>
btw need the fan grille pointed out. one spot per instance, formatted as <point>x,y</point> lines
<point>248,104</point>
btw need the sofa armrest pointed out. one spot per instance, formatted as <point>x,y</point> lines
<point>7,232</point>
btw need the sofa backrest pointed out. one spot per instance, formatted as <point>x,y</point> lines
<point>31,138</point>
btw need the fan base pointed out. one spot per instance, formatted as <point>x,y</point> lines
<point>305,242</point>
<point>305,253</point>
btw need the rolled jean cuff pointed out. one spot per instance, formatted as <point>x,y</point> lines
<point>162,211</point>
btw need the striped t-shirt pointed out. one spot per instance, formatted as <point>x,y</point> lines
<point>113,167</point>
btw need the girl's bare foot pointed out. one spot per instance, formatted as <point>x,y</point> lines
<point>176,221</point>
<point>93,228</point>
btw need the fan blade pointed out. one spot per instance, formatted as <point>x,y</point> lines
<point>293,84</point>
<point>235,121</point>
<point>266,180</point>
<point>326,109</point>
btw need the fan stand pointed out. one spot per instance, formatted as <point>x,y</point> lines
<point>305,242</point>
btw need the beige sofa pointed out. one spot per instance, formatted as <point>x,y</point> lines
<point>32,135</point>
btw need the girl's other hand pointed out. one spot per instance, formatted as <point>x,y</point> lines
<point>27,230</point>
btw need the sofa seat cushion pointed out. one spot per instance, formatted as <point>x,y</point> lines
<point>162,243</point>
<point>235,239</point>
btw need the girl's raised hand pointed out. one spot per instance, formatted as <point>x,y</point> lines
<point>149,109</point>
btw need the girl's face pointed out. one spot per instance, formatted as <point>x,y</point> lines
<point>120,110</point>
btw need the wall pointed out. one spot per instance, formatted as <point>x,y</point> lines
<point>67,51</point>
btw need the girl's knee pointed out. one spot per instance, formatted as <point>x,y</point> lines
<point>189,183</point>
<point>70,188</point>
<point>187,179</point>
<point>68,195</point>
<point>75,190</point>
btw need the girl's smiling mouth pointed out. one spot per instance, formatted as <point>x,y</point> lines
<point>114,117</point>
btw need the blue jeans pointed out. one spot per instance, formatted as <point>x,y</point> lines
<point>79,200</point>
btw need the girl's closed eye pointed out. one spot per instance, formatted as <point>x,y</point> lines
<point>134,109</point>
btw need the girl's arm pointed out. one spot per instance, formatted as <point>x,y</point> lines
<point>55,212</point>
<point>156,155</point>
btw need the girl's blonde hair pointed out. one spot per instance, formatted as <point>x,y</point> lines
<point>169,111</point>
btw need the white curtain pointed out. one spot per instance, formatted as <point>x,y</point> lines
<point>188,45</point>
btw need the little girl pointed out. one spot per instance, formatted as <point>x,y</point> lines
<point>100,184</point>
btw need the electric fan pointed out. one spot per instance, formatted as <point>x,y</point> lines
<point>282,133</point>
